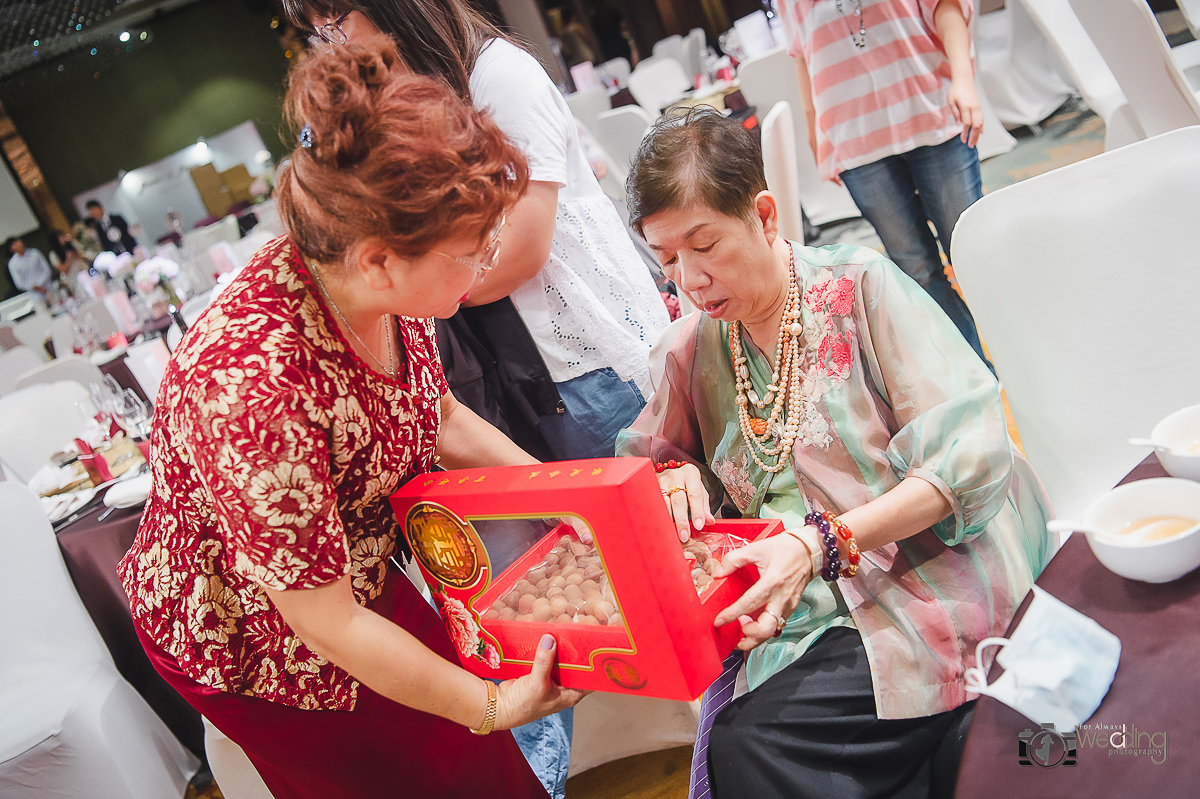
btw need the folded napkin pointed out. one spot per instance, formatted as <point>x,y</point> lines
<point>127,493</point>
<point>51,479</point>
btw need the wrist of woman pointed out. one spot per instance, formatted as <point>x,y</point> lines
<point>490,709</point>
<point>808,536</point>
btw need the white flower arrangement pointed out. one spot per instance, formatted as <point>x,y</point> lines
<point>115,265</point>
<point>153,271</point>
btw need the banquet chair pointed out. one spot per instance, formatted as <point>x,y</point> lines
<point>657,82</point>
<point>620,132</point>
<point>586,106</point>
<point>101,319</point>
<point>33,332</point>
<point>1092,329</point>
<point>694,45</point>
<point>232,770</point>
<point>1128,36</point>
<point>62,335</point>
<point>670,47</point>
<point>72,725</point>
<point>1191,15</point>
<point>199,240</point>
<point>39,420</point>
<point>1090,74</point>
<point>779,163</point>
<point>619,69</point>
<point>67,367</point>
<point>1022,75</point>
<point>13,364</point>
<point>767,80</point>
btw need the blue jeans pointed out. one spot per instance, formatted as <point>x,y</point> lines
<point>596,406</point>
<point>546,744</point>
<point>901,194</point>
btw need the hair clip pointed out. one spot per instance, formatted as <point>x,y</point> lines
<point>306,136</point>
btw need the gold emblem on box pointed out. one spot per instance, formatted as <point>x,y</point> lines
<point>445,545</point>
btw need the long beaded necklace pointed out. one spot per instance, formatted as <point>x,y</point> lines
<point>390,369</point>
<point>759,432</point>
<point>861,40</point>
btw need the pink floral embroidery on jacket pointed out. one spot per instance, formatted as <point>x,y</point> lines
<point>834,353</point>
<point>833,356</point>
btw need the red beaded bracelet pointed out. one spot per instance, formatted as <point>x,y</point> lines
<point>852,554</point>
<point>671,464</point>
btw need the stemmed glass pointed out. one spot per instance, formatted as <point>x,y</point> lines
<point>133,414</point>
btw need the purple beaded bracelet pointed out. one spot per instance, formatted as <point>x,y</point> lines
<point>833,558</point>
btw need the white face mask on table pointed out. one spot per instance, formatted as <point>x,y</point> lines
<point>1058,665</point>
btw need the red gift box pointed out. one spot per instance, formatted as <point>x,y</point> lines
<point>484,537</point>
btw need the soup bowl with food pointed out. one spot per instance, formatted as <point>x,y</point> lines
<point>1148,530</point>
<point>1176,440</point>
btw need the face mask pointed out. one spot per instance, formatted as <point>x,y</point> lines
<point>1058,665</point>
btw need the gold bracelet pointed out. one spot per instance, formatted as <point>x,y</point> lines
<point>489,718</point>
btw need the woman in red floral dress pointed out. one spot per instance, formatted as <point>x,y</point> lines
<point>297,404</point>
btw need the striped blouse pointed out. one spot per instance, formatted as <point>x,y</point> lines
<point>885,98</point>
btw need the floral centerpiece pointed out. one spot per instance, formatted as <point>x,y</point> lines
<point>153,276</point>
<point>118,267</point>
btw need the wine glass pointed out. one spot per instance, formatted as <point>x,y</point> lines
<point>133,414</point>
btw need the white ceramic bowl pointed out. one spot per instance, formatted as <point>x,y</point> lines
<point>1156,561</point>
<point>1180,430</point>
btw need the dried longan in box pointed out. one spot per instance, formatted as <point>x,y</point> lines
<point>587,551</point>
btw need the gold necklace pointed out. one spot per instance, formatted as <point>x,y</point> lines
<point>787,393</point>
<point>389,370</point>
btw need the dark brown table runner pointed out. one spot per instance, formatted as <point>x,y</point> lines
<point>1154,694</point>
<point>92,549</point>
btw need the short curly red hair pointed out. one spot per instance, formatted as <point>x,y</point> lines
<point>393,156</point>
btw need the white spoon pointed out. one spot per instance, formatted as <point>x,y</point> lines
<point>1146,442</point>
<point>1068,526</point>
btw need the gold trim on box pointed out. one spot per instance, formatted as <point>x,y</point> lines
<point>448,547</point>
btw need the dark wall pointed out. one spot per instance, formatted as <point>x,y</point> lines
<point>207,68</point>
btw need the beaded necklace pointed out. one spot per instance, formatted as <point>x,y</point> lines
<point>757,432</point>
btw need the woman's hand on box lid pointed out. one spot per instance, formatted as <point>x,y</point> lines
<point>535,695</point>
<point>785,568</point>
<point>687,501</point>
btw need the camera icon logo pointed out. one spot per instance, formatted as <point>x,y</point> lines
<point>1046,747</point>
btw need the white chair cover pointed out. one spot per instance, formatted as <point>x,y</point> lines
<point>588,105</point>
<point>1132,43</point>
<point>97,313</point>
<point>657,82</point>
<point>15,363</point>
<point>1089,73</point>
<point>1021,74</point>
<point>62,333</point>
<point>37,421</point>
<point>769,79</point>
<point>72,727</point>
<point>199,240</point>
<point>620,131</point>
<point>779,163</point>
<point>1092,330</point>
<point>67,367</point>
<point>994,140</point>
<point>619,69</point>
<point>8,339</point>
<point>694,45</point>
<point>670,47</point>
<point>612,726</point>
<point>232,770</point>
<point>1191,15</point>
<point>33,331</point>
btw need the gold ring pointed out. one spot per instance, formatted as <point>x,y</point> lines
<point>669,491</point>
<point>780,621</point>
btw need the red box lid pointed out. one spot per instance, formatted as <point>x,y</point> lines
<point>476,533</point>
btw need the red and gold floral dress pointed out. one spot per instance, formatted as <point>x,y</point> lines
<point>275,449</point>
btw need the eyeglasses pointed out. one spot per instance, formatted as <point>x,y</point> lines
<point>491,254</point>
<point>330,32</point>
